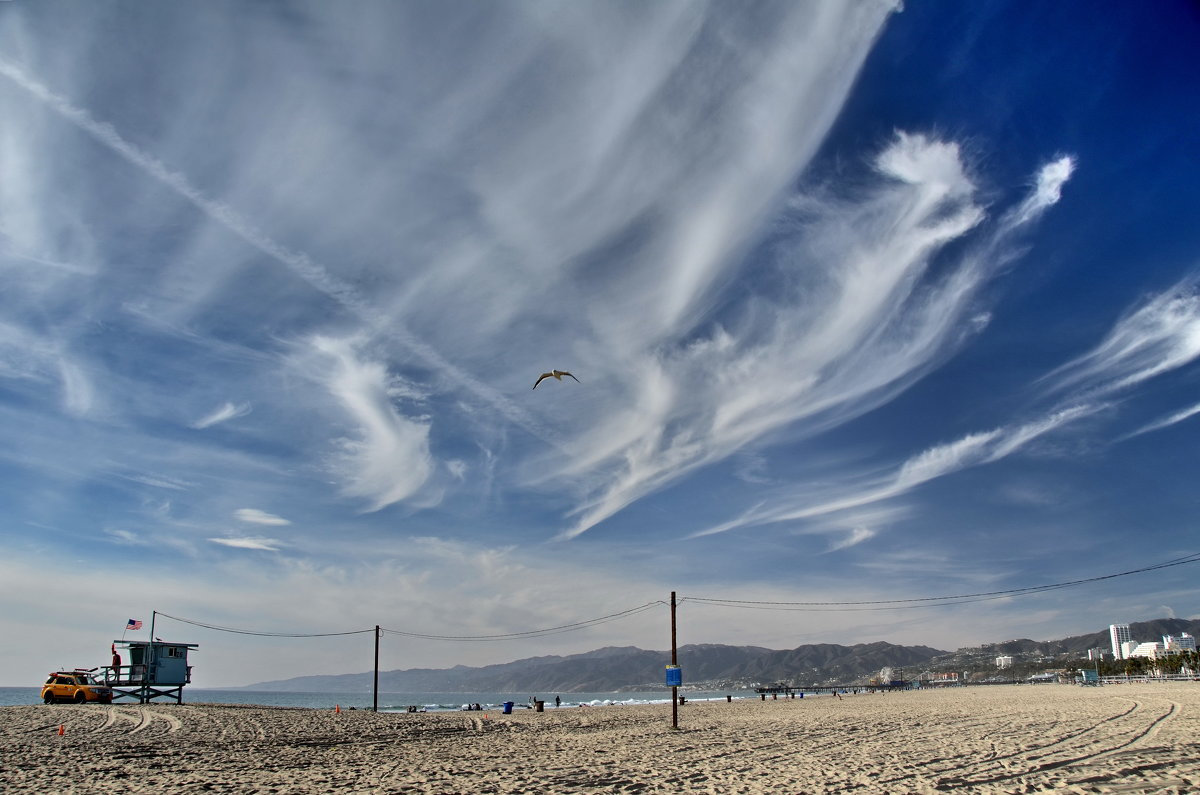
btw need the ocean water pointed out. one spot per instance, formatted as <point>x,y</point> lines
<point>400,702</point>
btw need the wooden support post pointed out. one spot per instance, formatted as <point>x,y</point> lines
<point>674,661</point>
<point>149,675</point>
<point>375,691</point>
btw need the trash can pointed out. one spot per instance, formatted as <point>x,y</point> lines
<point>508,707</point>
<point>538,706</point>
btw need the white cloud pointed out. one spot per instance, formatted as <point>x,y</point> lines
<point>250,542</point>
<point>855,536</point>
<point>944,459</point>
<point>859,319</point>
<point>123,536</point>
<point>255,516</point>
<point>1047,190</point>
<point>389,458</point>
<point>226,411</point>
<point>854,491</point>
<point>1166,422</point>
<point>1161,335</point>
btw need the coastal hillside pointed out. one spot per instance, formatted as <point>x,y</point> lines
<point>1079,644</point>
<point>617,668</point>
<point>630,668</point>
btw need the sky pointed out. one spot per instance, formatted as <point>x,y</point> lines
<point>864,302</point>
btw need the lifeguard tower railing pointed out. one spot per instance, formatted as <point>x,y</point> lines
<point>156,669</point>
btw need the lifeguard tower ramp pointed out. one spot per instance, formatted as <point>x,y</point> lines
<point>154,669</point>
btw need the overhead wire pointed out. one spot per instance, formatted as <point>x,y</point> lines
<point>533,633</point>
<point>265,634</point>
<point>930,601</point>
<point>829,606</point>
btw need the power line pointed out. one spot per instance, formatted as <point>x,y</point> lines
<point>266,634</point>
<point>930,601</point>
<point>533,633</point>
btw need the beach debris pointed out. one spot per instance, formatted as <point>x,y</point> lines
<point>555,374</point>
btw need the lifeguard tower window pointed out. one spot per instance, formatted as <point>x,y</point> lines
<point>174,651</point>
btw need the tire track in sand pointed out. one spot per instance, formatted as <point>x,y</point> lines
<point>1150,729</point>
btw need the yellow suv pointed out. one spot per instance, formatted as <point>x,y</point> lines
<point>77,686</point>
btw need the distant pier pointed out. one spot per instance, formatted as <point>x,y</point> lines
<point>790,691</point>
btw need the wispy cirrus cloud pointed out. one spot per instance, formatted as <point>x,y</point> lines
<point>858,491</point>
<point>1159,335</point>
<point>856,317</point>
<point>1165,422</point>
<point>255,516</point>
<point>388,459</point>
<point>250,542</point>
<point>855,536</point>
<point>223,413</point>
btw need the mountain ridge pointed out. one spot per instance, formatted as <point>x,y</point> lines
<point>616,668</point>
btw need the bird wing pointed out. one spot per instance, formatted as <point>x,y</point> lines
<point>542,378</point>
<point>564,372</point>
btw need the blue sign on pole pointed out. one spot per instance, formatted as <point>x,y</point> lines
<point>674,676</point>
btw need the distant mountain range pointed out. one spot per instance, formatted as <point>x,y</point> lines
<point>613,669</point>
<point>627,668</point>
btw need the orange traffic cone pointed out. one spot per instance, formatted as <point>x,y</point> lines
<point>337,709</point>
<point>61,730</point>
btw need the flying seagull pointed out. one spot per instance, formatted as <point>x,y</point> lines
<point>556,374</point>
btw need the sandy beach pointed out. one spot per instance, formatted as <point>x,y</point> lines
<point>1010,739</point>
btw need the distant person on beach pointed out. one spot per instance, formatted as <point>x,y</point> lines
<point>557,702</point>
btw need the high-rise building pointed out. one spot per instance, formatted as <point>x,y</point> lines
<point>1119,634</point>
<point>1184,642</point>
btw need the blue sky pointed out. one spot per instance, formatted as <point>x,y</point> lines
<point>864,302</point>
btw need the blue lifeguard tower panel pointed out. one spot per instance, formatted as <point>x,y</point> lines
<point>151,669</point>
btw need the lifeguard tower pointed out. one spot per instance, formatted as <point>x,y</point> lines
<point>155,669</point>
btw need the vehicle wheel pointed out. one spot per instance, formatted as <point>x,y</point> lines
<point>80,697</point>
<point>48,698</point>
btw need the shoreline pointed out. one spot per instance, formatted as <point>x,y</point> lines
<point>1127,738</point>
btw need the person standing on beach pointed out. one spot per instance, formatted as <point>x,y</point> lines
<point>557,702</point>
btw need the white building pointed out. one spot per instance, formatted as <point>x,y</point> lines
<point>1004,662</point>
<point>1174,643</point>
<point>1119,635</point>
<point>1152,650</point>
<point>1096,654</point>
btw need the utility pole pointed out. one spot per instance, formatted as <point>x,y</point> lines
<point>675,662</point>
<point>149,674</point>
<point>375,691</point>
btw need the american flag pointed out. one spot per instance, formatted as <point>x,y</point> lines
<point>133,624</point>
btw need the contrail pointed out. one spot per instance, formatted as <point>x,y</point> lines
<point>299,263</point>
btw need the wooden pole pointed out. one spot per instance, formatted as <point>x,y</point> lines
<point>375,699</point>
<point>148,675</point>
<point>674,661</point>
